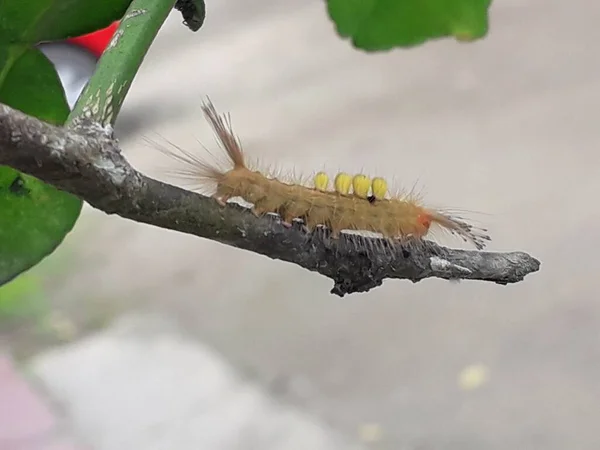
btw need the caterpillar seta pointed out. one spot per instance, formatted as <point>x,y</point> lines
<point>355,203</point>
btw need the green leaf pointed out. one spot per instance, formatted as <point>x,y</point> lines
<point>376,25</point>
<point>35,216</point>
<point>29,82</point>
<point>34,21</point>
<point>21,297</point>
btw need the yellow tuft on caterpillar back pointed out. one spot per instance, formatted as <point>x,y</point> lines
<point>361,185</point>
<point>321,181</point>
<point>342,182</point>
<point>379,188</point>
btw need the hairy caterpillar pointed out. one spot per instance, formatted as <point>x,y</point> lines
<point>356,202</point>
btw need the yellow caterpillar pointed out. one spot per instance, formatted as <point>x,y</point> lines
<point>356,202</point>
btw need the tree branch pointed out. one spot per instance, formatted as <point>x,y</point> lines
<point>85,160</point>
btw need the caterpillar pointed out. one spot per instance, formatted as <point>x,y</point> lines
<point>347,202</point>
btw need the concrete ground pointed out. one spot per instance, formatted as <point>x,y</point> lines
<point>507,126</point>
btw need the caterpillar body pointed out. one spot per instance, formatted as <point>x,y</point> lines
<point>356,202</point>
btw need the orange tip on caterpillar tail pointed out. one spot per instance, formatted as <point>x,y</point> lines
<point>356,203</point>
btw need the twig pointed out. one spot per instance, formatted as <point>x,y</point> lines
<point>85,160</point>
<point>103,96</point>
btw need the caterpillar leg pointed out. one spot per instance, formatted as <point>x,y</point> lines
<point>222,201</point>
<point>287,220</point>
<point>259,209</point>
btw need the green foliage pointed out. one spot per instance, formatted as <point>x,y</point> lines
<point>33,21</point>
<point>35,219</point>
<point>376,25</point>
<point>29,82</point>
<point>35,216</point>
<point>21,298</point>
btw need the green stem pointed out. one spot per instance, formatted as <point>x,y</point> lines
<point>104,94</point>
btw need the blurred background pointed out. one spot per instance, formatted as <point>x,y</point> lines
<point>143,338</point>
